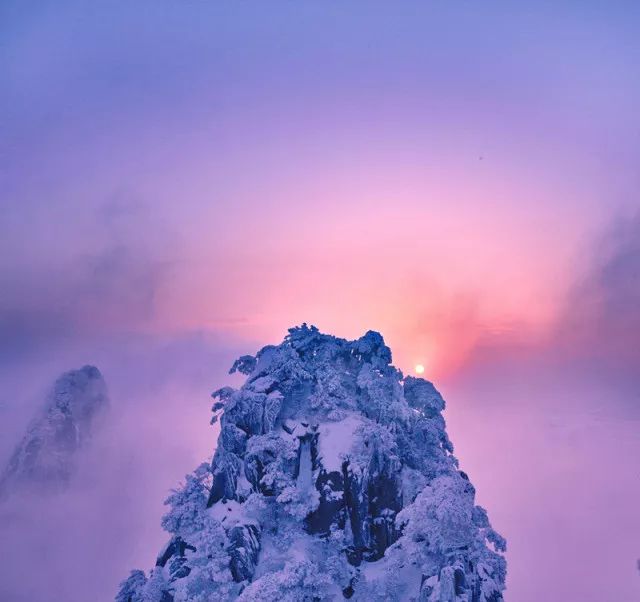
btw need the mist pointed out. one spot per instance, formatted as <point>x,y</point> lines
<point>551,434</point>
<point>180,183</point>
<point>78,545</point>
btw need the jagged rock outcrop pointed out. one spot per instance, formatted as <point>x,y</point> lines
<point>45,458</point>
<point>333,478</point>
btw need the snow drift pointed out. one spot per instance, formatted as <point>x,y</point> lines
<point>333,478</point>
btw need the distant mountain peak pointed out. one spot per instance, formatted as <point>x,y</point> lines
<point>45,458</point>
<point>333,478</point>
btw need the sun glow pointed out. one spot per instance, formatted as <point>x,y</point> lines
<point>419,369</point>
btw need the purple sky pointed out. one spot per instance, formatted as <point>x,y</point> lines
<point>181,182</point>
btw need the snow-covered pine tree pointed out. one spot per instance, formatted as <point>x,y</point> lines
<point>333,478</point>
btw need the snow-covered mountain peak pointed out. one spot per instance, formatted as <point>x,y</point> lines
<point>333,478</point>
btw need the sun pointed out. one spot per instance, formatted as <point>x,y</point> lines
<point>419,369</point>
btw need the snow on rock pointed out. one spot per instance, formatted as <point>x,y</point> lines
<point>333,478</point>
<point>334,441</point>
<point>45,458</point>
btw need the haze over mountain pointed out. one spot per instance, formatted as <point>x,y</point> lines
<point>46,457</point>
<point>181,182</point>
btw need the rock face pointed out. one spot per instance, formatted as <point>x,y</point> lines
<point>333,478</point>
<point>45,458</point>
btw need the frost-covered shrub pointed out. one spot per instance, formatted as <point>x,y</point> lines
<point>132,588</point>
<point>299,581</point>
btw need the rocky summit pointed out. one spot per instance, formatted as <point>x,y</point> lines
<point>333,478</point>
<point>45,458</point>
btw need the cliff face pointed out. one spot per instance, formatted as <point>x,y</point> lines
<point>45,458</point>
<point>333,478</point>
